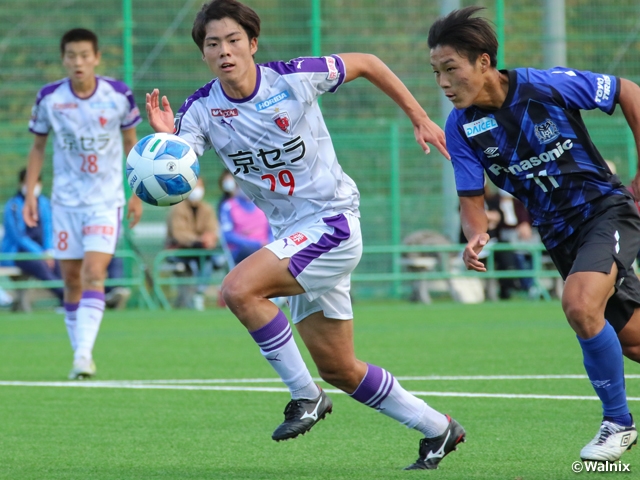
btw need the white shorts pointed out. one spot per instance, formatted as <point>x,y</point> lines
<point>322,257</point>
<point>78,232</point>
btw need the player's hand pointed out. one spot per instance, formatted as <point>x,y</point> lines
<point>134,211</point>
<point>471,251</point>
<point>30,211</point>
<point>160,119</point>
<point>428,132</point>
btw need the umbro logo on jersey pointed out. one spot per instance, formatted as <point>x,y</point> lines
<point>479,126</point>
<point>492,152</point>
<point>222,112</point>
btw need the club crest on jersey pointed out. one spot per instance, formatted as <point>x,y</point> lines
<point>479,126</point>
<point>546,132</point>
<point>103,121</point>
<point>283,121</point>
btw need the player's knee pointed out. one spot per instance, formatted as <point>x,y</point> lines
<point>578,312</point>
<point>234,291</point>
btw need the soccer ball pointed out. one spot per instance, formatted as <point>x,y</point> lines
<point>162,169</point>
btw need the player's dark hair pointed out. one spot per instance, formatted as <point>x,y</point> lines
<point>219,9</point>
<point>469,36</point>
<point>22,174</point>
<point>79,35</point>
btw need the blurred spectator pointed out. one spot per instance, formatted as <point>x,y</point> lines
<point>244,226</point>
<point>193,224</point>
<point>19,238</point>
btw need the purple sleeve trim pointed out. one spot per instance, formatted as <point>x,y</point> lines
<point>309,65</point>
<point>202,92</point>
<point>48,90</point>
<point>38,133</point>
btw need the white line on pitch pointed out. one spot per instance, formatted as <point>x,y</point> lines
<point>402,379</point>
<point>139,386</point>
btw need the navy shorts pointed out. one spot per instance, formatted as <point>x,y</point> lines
<point>611,234</point>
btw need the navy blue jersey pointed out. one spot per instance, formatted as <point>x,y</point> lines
<point>537,147</point>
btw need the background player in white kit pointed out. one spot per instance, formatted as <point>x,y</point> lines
<point>91,117</point>
<point>265,124</point>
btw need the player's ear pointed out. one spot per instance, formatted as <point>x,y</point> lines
<point>253,45</point>
<point>98,57</point>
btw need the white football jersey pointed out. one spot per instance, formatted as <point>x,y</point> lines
<point>87,148</point>
<point>275,141</point>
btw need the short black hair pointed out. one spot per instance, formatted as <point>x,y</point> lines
<point>245,16</point>
<point>79,35</point>
<point>22,174</point>
<point>469,36</point>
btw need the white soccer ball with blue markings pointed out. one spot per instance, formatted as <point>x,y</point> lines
<point>162,169</point>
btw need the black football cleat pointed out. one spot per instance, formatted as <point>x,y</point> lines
<point>434,449</point>
<point>301,415</point>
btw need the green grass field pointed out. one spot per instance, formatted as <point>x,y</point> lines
<point>183,421</point>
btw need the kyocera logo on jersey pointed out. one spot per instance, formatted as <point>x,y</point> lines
<point>479,126</point>
<point>269,102</point>
<point>333,69</point>
<point>524,165</point>
<point>221,112</point>
<point>604,89</point>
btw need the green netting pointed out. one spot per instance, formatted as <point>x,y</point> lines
<point>601,36</point>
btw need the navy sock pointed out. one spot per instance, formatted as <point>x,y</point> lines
<point>605,368</point>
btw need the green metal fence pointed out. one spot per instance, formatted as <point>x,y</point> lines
<point>148,44</point>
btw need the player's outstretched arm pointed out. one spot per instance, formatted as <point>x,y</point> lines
<point>629,101</point>
<point>376,71</point>
<point>474,225</point>
<point>160,119</point>
<point>34,167</point>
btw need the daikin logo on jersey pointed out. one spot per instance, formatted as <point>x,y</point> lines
<point>544,157</point>
<point>479,126</point>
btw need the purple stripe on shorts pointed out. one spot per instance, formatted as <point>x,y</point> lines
<point>272,329</point>
<point>327,242</point>
<point>371,385</point>
<point>70,307</point>
<point>93,294</point>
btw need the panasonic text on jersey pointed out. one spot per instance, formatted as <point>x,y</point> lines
<point>527,164</point>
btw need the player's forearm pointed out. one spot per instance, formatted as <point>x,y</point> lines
<point>473,218</point>
<point>629,100</point>
<point>35,160</point>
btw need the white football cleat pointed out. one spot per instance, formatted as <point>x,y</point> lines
<point>610,443</point>
<point>82,368</point>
